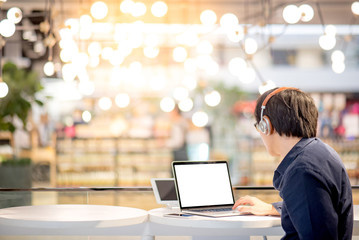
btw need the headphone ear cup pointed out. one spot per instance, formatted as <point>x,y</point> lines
<point>265,126</point>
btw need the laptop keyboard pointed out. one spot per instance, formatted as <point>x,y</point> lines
<point>213,210</point>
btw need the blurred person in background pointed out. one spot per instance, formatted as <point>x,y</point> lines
<point>311,178</point>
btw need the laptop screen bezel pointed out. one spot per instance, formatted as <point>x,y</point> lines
<point>200,162</point>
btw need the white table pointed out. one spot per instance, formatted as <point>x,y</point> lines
<point>73,220</point>
<point>238,227</point>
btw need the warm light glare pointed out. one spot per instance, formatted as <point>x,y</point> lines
<point>86,88</point>
<point>139,9</point>
<point>159,9</point>
<point>179,54</point>
<point>250,46</point>
<point>68,72</point>
<point>86,116</point>
<point>167,104</point>
<point>190,82</point>
<point>248,76</point>
<point>200,119</point>
<point>327,42</point>
<point>355,8</point>
<point>208,17</point>
<point>85,21</point>
<point>330,30</point>
<point>291,14</point>
<point>190,65</point>
<point>236,66</point>
<point>228,21</point>
<point>106,53</point>
<point>105,103</point>
<point>122,100</point>
<point>236,34</point>
<point>49,68</point>
<point>99,10</point>
<point>338,56</point>
<point>4,89</point>
<point>94,49</point>
<point>338,67</point>
<point>213,98</point>
<point>151,52</point>
<point>180,93</point>
<point>7,28</point>
<point>185,105</point>
<point>127,6</point>
<point>307,12</point>
<point>204,47</point>
<point>14,14</point>
<point>266,86</point>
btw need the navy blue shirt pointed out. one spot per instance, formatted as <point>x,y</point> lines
<point>316,192</point>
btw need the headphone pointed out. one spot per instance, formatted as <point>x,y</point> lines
<point>264,125</point>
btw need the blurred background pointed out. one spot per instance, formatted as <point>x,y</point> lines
<point>109,93</point>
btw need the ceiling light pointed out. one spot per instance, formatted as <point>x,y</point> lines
<point>307,12</point>
<point>208,17</point>
<point>14,14</point>
<point>159,9</point>
<point>291,14</point>
<point>99,10</point>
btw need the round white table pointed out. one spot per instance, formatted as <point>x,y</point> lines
<point>73,220</point>
<point>237,227</point>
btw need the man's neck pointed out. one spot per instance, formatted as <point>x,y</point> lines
<point>286,144</point>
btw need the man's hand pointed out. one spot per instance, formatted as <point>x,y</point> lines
<point>255,206</point>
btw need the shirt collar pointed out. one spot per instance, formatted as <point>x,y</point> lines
<point>288,160</point>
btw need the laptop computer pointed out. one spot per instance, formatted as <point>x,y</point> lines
<point>204,188</point>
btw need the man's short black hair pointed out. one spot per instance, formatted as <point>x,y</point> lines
<point>291,112</point>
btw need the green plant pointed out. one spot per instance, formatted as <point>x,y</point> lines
<point>23,86</point>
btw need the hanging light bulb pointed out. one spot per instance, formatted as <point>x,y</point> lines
<point>185,105</point>
<point>248,76</point>
<point>99,10</point>
<point>139,9</point>
<point>208,17</point>
<point>105,103</point>
<point>179,54</point>
<point>126,6</point>
<point>250,46</point>
<point>49,68</point>
<point>291,14</point>
<point>355,8</point>
<point>236,66</point>
<point>86,116</point>
<point>167,104</point>
<point>338,67</point>
<point>337,56</point>
<point>307,12</point>
<point>330,30</point>
<point>200,119</point>
<point>236,34</point>
<point>7,28</point>
<point>180,93</point>
<point>229,21</point>
<point>122,100</point>
<point>14,14</point>
<point>4,89</point>
<point>327,42</point>
<point>266,86</point>
<point>159,9</point>
<point>213,98</point>
<point>86,87</point>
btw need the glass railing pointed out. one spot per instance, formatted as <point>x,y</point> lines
<point>138,197</point>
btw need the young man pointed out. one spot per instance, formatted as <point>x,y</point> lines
<point>311,179</point>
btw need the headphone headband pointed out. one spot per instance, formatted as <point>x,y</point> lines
<point>275,92</point>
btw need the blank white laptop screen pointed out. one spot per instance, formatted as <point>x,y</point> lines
<point>203,184</point>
